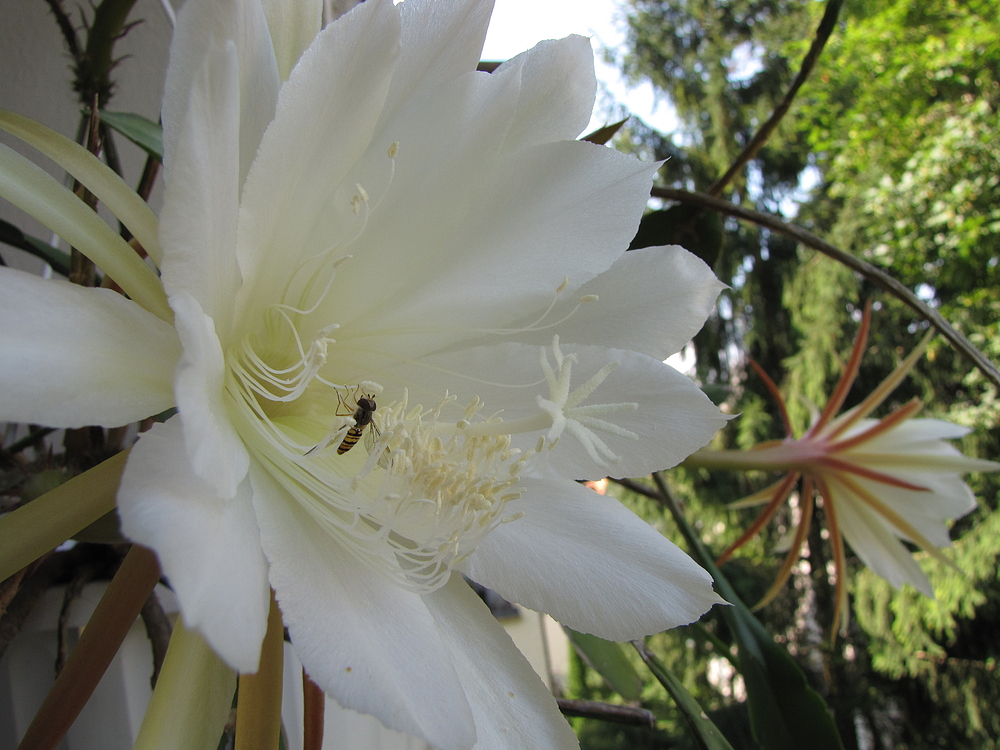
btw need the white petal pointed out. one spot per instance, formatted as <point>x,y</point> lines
<point>208,546</point>
<point>591,563</point>
<point>72,356</point>
<point>948,497</point>
<point>292,27</point>
<point>204,25</point>
<point>918,444</point>
<point>451,262</point>
<point>512,707</point>
<point>370,644</point>
<point>215,449</point>
<point>558,87</point>
<point>201,204</point>
<point>673,419</point>
<point>323,122</point>
<point>877,547</point>
<point>440,41</point>
<point>652,301</point>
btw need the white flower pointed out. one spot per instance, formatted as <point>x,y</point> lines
<point>881,481</point>
<point>371,218</point>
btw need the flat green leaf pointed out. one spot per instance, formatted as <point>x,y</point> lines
<point>193,695</point>
<point>55,257</point>
<point>142,131</point>
<point>609,661</point>
<point>785,713</point>
<point>602,135</point>
<point>707,734</point>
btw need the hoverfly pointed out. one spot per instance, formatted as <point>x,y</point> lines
<point>362,418</point>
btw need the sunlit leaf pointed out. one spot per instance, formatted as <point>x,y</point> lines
<point>609,661</point>
<point>602,135</point>
<point>708,735</point>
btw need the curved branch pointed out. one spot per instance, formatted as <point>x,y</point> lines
<point>879,277</point>
<point>823,31</point>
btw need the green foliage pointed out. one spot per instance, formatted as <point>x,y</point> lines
<point>899,122</point>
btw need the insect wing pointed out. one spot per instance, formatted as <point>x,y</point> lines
<point>372,434</point>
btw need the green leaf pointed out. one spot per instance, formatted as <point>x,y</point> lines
<point>55,257</point>
<point>602,135</point>
<point>708,735</point>
<point>785,713</point>
<point>609,661</point>
<point>142,131</point>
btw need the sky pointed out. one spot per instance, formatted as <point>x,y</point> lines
<point>518,24</point>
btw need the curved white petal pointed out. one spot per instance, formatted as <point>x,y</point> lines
<point>198,221</point>
<point>918,434</point>
<point>652,301</point>
<point>558,87</point>
<point>201,28</point>
<point>440,41</point>
<point>659,416</point>
<point>370,644</point>
<point>452,261</point>
<point>877,546</point>
<point>208,546</point>
<point>512,708</point>
<point>322,124</point>
<point>591,563</point>
<point>947,497</point>
<point>292,27</point>
<point>72,356</point>
<point>215,449</point>
<point>917,445</point>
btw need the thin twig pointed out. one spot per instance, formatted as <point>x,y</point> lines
<point>158,628</point>
<point>634,486</point>
<point>34,436</point>
<point>823,31</point>
<point>608,712</point>
<point>877,276</point>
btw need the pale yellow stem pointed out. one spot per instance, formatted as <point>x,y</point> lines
<point>258,712</point>
<point>93,174</point>
<point>193,697</point>
<point>37,193</point>
<point>49,520</point>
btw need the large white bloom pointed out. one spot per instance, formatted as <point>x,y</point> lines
<point>363,214</point>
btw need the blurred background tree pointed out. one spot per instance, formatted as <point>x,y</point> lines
<point>890,151</point>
